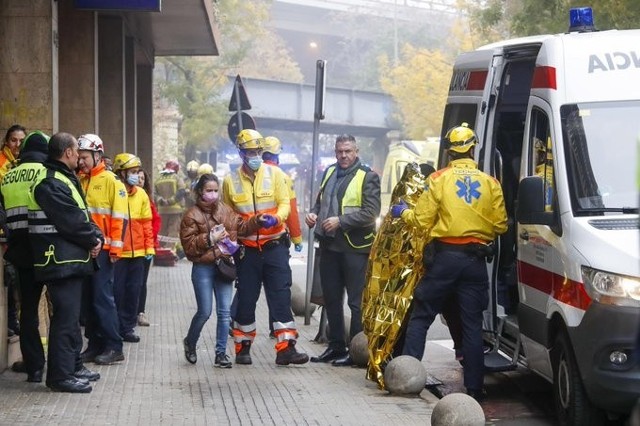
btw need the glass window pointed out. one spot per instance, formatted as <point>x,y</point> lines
<point>541,154</point>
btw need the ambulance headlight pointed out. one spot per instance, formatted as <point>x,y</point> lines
<point>612,289</point>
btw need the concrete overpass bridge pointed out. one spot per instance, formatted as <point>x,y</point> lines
<point>289,107</point>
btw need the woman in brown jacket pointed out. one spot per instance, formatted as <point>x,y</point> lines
<point>204,229</point>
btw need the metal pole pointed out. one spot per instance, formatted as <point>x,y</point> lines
<point>238,107</point>
<point>310,235</point>
<point>317,116</point>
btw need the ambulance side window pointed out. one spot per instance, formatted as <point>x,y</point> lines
<point>541,155</point>
<point>454,115</point>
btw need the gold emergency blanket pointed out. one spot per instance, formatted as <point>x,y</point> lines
<point>394,269</point>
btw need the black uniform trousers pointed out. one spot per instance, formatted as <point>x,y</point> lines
<point>340,271</point>
<point>65,337</point>
<point>465,275</point>
<point>30,341</point>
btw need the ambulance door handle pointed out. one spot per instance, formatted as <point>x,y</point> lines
<point>524,235</point>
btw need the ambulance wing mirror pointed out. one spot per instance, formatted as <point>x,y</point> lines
<point>531,207</point>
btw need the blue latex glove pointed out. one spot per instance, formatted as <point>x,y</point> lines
<point>298,247</point>
<point>397,209</point>
<point>267,221</point>
<point>149,256</point>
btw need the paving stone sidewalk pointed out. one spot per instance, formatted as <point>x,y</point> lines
<point>156,385</point>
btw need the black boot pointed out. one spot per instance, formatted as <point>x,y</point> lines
<point>244,356</point>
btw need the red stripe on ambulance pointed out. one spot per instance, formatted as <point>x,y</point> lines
<point>544,78</point>
<point>560,288</point>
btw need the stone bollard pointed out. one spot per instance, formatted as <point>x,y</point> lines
<point>457,409</point>
<point>297,301</point>
<point>405,375</point>
<point>359,349</point>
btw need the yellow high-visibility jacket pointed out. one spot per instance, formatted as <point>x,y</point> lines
<point>107,202</point>
<point>138,237</point>
<point>460,205</point>
<point>266,194</point>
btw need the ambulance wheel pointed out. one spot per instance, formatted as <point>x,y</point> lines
<point>572,404</point>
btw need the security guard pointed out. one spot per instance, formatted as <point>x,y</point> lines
<point>463,211</point>
<point>64,243</point>
<point>258,189</point>
<point>344,216</point>
<point>15,198</point>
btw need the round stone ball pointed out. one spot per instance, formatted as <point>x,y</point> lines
<point>297,301</point>
<point>405,375</point>
<point>359,349</point>
<point>457,409</point>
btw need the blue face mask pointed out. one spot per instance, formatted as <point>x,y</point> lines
<point>254,163</point>
<point>133,179</point>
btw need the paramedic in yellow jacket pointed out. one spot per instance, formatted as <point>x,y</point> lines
<point>138,245</point>
<point>257,189</point>
<point>544,169</point>
<point>463,211</point>
<point>107,202</point>
<point>271,155</point>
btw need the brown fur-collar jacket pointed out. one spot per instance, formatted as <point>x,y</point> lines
<point>200,219</point>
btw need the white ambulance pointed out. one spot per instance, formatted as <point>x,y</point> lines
<point>557,117</point>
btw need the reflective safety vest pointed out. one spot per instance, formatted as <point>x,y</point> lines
<point>351,202</point>
<point>267,194</point>
<point>15,192</point>
<point>107,201</point>
<point>54,256</point>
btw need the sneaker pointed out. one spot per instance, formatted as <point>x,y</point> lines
<point>142,320</point>
<point>222,360</point>
<point>190,352</point>
<point>109,357</point>
<point>244,356</point>
<point>291,356</point>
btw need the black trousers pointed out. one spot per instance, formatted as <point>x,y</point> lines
<point>65,337</point>
<point>340,271</point>
<point>30,342</point>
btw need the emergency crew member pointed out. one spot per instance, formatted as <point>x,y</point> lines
<point>544,169</point>
<point>190,183</point>
<point>15,199</point>
<point>204,169</point>
<point>64,242</point>
<point>8,159</point>
<point>138,246</point>
<point>271,155</point>
<point>346,210</point>
<point>107,203</point>
<point>11,148</point>
<point>463,211</point>
<point>169,190</point>
<point>257,189</point>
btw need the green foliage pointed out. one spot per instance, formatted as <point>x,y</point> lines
<point>194,85</point>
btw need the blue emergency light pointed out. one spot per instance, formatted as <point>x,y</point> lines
<point>581,19</point>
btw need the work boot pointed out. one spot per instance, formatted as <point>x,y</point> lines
<point>291,356</point>
<point>244,356</point>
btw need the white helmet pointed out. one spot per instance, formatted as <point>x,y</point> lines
<point>90,142</point>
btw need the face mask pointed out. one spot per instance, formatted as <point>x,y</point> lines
<point>132,179</point>
<point>210,197</point>
<point>254,163</point>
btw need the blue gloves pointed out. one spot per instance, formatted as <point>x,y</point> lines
<point>298,247</point>
<point>267,221</point>
<point>397,209</point>
<point>148,256</point>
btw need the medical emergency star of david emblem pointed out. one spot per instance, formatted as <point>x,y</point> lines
<point>468,190</point>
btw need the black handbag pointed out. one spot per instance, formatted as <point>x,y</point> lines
<point>226,269</point>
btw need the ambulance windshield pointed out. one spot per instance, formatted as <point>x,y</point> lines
<point>601,155</point>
